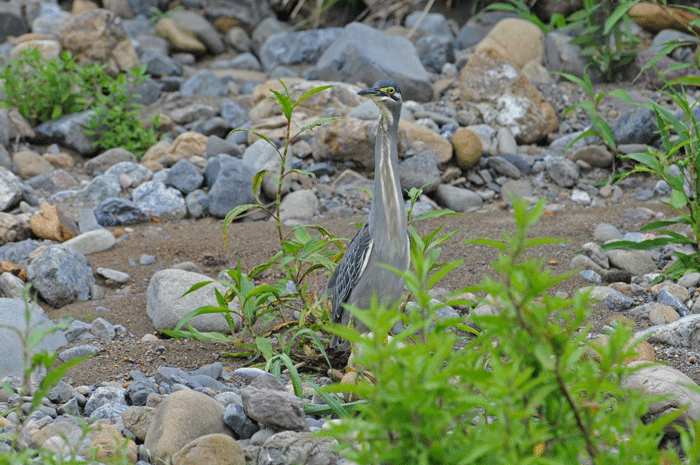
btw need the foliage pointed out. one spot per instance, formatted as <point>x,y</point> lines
<point>44,90</point>
<point>677,163</point>
<point>522,390</point>
<point>601,28</point>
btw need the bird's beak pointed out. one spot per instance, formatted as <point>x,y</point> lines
<point>371,92</point>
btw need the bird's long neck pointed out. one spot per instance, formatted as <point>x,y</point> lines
<point>387,187</point>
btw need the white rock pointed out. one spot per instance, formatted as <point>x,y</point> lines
<point>580,197</point>
<point>118,276</point>
<point>11,286</point>
<point>166,305</point>
<point>94,241</point>
<point>299,205</point>
<point>684,332</point>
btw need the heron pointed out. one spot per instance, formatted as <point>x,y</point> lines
<point>362,275</point>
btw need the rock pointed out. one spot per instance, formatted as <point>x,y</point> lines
<point>11,21</point>
<point>266,401</point>
<point>562,56</point>
<point>182,417</point>
<point>51,223</point>
<point>204,84</point>
<point>430,24</point>
<point>68,131</point>
<point>618,302</point>
<point>667,298</point>
<point>159,65</point>
<point>351,139</point>
<point>214,449</point>
<point>155,199</point>
<point>91,242</point>
<point>637,262</point>
<point>432,140</point>
<point>503,167</point>
<point>179,37</point>
<point>458,199</point>
<point>684,332</point>
<point>263,156</point>
<point>30,163</point>
<point>597,156</point>
<point>605,232</point>
<point>301,205</point>
<point>103,396</point>
<point>119,212</point>
<point>638,125</point>
<point>642,350</point>
<point>61,275</point>
<point>10,190</point>
<point>676,388</point>
<point>517,40</point>
<point>435,51</point>
<point>660,314</point>
<point>362,53</point>
<point>295,48</point>
<point>236,115</point>
<point>184,177</point>
<point>232,186</point>
<point>108,442</point>
<point>236,418</point>
<point>201,28</point>
<point>193,112</point>
<point>12,313</point>
<point>290,447</point>
<point>78,352</point>
<point>655,18</point>
<point>420,171</point>
<point>166,305</point>
<point>247,13</point>
<point>138,418</point>
<point>492,87</point>
<point>98,36</point>
<point>563,172</point>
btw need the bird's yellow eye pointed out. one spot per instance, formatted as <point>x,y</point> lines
<point>389,90</point>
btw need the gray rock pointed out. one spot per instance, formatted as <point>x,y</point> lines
<point>61,275</point>
<point>204,83</point>
<point>154,198</point>
<point>591,276</point>
<point>420,171</point>
<point>618,302</point>
<point>18,251</point>
<point>101,188</point>
<point>119,212</point>
<point>597,156</point>
<point>138,173</point>
<point>671,389</point>
<point>236,115</point>
<point>294,48</point>
<point>192,112</point>
<point>689,279</point>
<point>516,188</point>
<point>502,166</point>
<point>563,172</point>
<point>684,332</point>
<point>299,205</point>
<point>597,254</point>
<point>11,21</point>
<point>469,35</point>
<point>137,392</point>
<point>147,92</point>
<point>637,125</point>
<point>431,24</point>
<point>562,56</point>
<point>290,447</point>
<point>580,197</point>
<point>605,232</point>
<point>171,376</point>
<point>435,51</point>
<point>103,396</point>
<point>78,331</point>
<point>581,261</point>
<point>666,298</point>
<point>662,189</point>
<point>146,259</point>
<point>77,352</point>
<point>236,418</point>
<point>158,65</point>
<point>249,13</point>
<point>117,276</point>
<point>12,286</point>
<point>69,132</point>
<point>87,221</point>
<point>185,177</point>
<point>197,203</point>
<point>266,401</point>
<point>10,190</point>
<point>111,412</point>
<point>12,314</point>
<point>232,185</point>
<point>637,262</point>
<point>166,305</point>
<point>458,199</point>
<point>362,53</point>
<point>217,145</point>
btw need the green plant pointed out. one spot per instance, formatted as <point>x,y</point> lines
<point>523,389</point>
<point>678,164</point>
<point>557,20</point>
<point>116,122</point>
<point>43,89</point>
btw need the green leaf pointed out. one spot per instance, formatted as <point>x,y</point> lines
<point>264,345</point>
<point>318,122</point>
<point>617,15</point>
<point>678,199</point>
<point>311,92</point>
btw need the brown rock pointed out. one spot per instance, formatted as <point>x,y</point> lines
<point>186,145</point>
<point>30,164</point>
<point>13,268</point>
<point>138,420</point>
<point>468,148</point>
<point>643,351</point>
<point>212,449</point>
<point>660,314</point>
<point>19,126</point>
<point>676,289</point>
<point>497,91</point>
<point>182,417</point>
<point>180,38</point>
<point>120,8</point>
<point>62,159</point>
<point>98,36</point>
<point>49,49</point>
<point>13,228</point>
<point>655,18</point>
<point>79,6</point>
<point>434,141</point>
<point>51,223</point>
<point>351,139</point>
<point>157,152</point>
<point>517,40</point>
<point>109,441</point>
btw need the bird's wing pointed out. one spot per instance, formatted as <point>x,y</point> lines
<point>349,270</point>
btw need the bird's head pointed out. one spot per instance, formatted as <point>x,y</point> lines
<point>386,94</point>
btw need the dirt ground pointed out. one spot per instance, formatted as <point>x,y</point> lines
<point>252,243</point>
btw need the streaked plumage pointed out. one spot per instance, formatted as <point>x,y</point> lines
<point>384,238</point>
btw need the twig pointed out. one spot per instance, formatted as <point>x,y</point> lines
<point>420,19</point>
